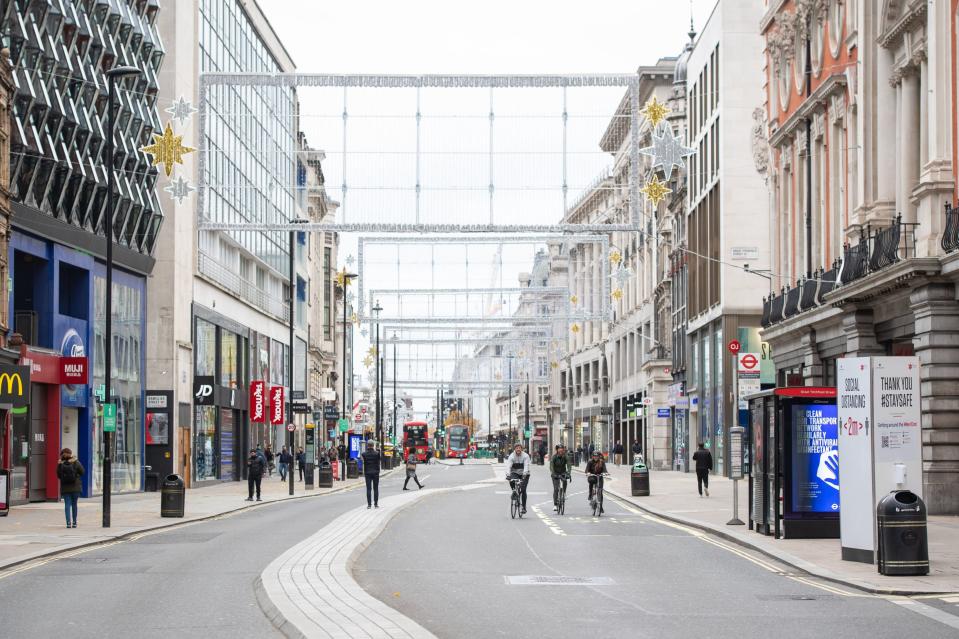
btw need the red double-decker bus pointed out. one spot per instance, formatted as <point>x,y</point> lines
<point>458,441</point>
<point>416,435</point>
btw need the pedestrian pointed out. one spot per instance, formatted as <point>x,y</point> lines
<point>286,463</point>
<point>637,449</point>
<point>371,473</point>
<point>579,454</point>
<point>704,464</point>
<point>301,462</point>
<point>411,469</point>
<point>542,452</point>
<point>70,471</point>
<point>590,450</point>
<point>268,453</point>
<point>429,455</point>
<point>255,465</point>
<point>618,452</point>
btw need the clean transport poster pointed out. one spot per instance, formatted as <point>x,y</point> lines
<point>815,459</point>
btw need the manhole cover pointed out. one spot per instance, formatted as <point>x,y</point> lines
<point>556,580</point>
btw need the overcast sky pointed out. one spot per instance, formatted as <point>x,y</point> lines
<point>492,37</point>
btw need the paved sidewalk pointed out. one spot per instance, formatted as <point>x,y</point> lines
<point>673,496</point>
<point>36,530</point>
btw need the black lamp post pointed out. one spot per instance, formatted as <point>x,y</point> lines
<point>379,377</point>
<point>344,282</point>
<point>395,406</point>
<point>290,429</point>
<point>112,76</point>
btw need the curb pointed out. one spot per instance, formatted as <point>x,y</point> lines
<point>784,558</point>
<point>89,545</point>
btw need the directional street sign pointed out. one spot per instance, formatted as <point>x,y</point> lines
<point>109,418</point>
<point>343,424</point>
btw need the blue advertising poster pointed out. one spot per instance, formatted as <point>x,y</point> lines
<point>815,459</point>
<point>355,441</point>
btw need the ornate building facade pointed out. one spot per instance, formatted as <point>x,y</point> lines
<point>861,147</point>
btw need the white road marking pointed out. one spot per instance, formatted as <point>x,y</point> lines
<point>548,521</point>
<point>925,610</point>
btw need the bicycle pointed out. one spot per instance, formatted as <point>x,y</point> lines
<point>516,499</point>
<point>596,501</point>
<point>561,495</point>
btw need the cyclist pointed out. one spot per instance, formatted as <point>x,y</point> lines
<point>559,468</point>
<point>518,465</point>
<point>594,473</point>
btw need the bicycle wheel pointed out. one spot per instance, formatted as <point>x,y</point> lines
<point>562,501</point>
<point>599,505</point>
<point>514,507</point>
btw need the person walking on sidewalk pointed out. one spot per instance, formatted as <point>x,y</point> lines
<point>411,468</point>
<point>70,471</point>
<point>618,452</point>
<point>371,473</point>
<point>301,461</point>
<point>268,453</point>
<point>286,463</point>
<point>704,464</point>
<point>637,449</point>
<point>255,465</point>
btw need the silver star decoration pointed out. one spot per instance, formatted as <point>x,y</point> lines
<point>349,260</point>
<point>667,151</point>
<point>622,275</point>
<point>364,332</point>
<point>181,110</point>
<point>179,189</point>
<point>350,297</point>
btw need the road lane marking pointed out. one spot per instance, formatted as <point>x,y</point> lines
<point>546,519</point>
<point>926,610</point>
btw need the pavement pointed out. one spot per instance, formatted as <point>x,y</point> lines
<point>36,530</point>
<point>673,496</point>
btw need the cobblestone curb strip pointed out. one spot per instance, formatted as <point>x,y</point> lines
<point>112,539</point>
<point>309,590</point>
<point>782,557</point>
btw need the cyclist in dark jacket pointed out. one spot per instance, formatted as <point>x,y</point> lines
<point>559,469</point>
<point>596,466</point>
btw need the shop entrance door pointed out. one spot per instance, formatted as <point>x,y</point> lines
<point>36,473</point>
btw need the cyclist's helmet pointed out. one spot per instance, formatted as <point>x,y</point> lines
<point>596,453</point>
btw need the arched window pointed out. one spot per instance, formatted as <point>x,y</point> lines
<point>835,18</point>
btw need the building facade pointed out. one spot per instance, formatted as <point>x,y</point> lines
<point>862,188</point>
<point>56,254</point>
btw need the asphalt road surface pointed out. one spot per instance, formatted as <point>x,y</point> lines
<point>448,561</point>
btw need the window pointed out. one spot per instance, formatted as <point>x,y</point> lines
<point>205,348</point>
<point>230,359</point>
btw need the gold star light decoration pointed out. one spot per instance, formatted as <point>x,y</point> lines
<point>574,299</point>
<point>167,149</point>
<point>615,257</point>
<point>368,361</point>
<point>655,111</point>
<point>372,351</point>
<point>574,328</point>
<point>655,190</point>
<point>617,294</point>
<point>554,364</point>
<point>341,279</point>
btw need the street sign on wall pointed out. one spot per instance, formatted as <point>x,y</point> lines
<point>109,418</point>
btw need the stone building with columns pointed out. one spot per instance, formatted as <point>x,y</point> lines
<point>860,141</point>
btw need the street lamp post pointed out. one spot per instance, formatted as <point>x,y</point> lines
<point>290,429</point>
<point>394,388</point>
<point>112,76</point>
<point>509,402</point>
<point>379,377</point>
<point>343,279</point>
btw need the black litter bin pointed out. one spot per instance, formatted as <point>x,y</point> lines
<point>152,482</point>
<point>499,457</point>
<point>324,475</point>
<point>639,481</point>
<point>903,539</point>
<point>172,497</point>
<point>352,469</point>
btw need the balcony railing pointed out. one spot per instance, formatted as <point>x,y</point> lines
<point>234,282</point>
<point>875,251</point>
<point>950,235</point>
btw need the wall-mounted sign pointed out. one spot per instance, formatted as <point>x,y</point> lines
<point>744,253</point>
<point>277,409</point>
<point>203,390</point>
<point>156,401</point>
<point>662,413</point>
<point>258,401</point>
<point>73,370</point>
<point>15,385</point>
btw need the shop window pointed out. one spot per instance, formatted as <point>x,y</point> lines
<point>205,348</point>
<point>74,291</point>
<point>229,359</point>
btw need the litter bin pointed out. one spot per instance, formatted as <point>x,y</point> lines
<point>903,540</point>
<point>172,497</point>
<point>639,479</point>
<point>352,469</point>
<point>324,475</point>
<point>152,482</point>
<point>499,457</point>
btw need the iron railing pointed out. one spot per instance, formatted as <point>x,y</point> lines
<point>950,234</point>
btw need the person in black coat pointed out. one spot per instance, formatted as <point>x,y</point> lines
<point>301,461</point>
<point>255,466</point>
<point>371,473</point>
<point>704,464</point>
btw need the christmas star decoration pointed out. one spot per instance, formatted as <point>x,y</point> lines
<point>354,319</point>
<point>167,149</point>
<point>554,364</point>
<point>617,294</point>
<point>622,275</point>
<point>574,299</point>
<point>364,332</point>
<point>655,190</point>
<point>179,189</point>
<point>615,257</point>
<point>655,111</point>
<point>574,328</point>
<point>341,279</point>
<point>181,110</point>
<point>667,151</point>
<point>349,260</point>
<point>368,361</point>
